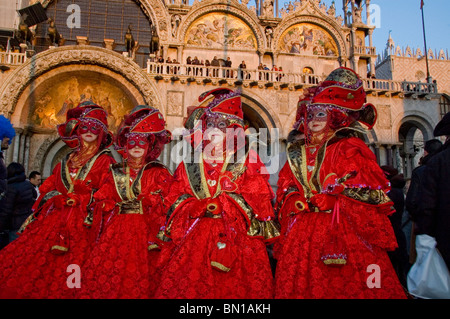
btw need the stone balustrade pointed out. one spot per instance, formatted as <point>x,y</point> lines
<point>13,58</point>
<point>193,73</point>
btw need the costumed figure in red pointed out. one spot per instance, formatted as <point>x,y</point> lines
<point>123,264</point>
<point>332,202</point>
<point>221,217</point>
<point>61,231</point>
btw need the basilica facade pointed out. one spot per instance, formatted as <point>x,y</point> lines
<point>165,53</point>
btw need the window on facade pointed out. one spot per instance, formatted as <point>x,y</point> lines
<point>308,70</point>
<point>99,20</point>
<point>444,105</point>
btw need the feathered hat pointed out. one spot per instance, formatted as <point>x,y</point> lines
<point>144,120</point>
<point>343,91</point>
<point>84,112</point>
<point>226,103</point>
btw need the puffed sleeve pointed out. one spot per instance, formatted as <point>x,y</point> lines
<point>258,194</point>
<point>255,188</point>
<point>363,202</point>
<point>156,186</point>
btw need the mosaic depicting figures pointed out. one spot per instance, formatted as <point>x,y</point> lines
<point>308,38</point>
<point>52,103</point>
<point>218,30</point>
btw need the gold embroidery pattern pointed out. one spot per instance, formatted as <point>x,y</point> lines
<point>266,229</point>
<point>367,195</point>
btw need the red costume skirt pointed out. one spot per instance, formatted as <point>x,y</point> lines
<point>120,265</point>
<point>189,273</point>
<point>28,268</point>
<point>301,273</point>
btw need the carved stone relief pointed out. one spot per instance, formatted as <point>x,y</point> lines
<point>175,103</point>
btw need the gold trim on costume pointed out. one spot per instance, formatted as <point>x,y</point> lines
<point>368,196</point>
<point>220,266</point>
<point>61,248</point>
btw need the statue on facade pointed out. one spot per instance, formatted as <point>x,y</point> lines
<point>268,9</point>
<point>176,20</point>
<point>269,36</point>
<point>54,36</point>
<point>129,41</point>
<point>24,34</point>
<point>154,42</point>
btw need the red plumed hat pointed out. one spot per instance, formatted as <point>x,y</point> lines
<point>83,112</point>
<point>144,120</point>
<point>343,89</point>
<point>226,102</point>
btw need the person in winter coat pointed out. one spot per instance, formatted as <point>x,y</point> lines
<point>7,133</point>
<point>432,147</point>
<point>413,196</point>
<point>434,216</point>
<point>18,200</point>
<point>399,257</point>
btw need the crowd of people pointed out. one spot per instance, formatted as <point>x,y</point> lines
<point>135,230</point>
<point>211,68</point>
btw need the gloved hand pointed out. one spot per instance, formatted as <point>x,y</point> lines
<point>323,201</point>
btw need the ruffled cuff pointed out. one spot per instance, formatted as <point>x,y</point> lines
<point>268,230</point>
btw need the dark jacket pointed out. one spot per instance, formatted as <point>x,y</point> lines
<point>18,202</point>
<point>3,176</point>
<point>396,195</point>
<point>434,216</point>
<point>413,195</point>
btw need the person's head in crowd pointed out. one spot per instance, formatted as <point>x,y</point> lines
<point>15,169</point>
<point>443,127</point>
<point>35,178</point>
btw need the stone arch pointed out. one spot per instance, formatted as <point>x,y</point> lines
<point>228,7</point>
<point>34,95</point>
<point>411,149</point>
<point>38,65</point>
<point>332,28</point>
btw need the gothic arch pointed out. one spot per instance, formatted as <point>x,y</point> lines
<point>229,7</point>
<point>40,64</point>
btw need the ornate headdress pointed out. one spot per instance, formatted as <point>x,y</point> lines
<point>147,121</point>
<point>343,91</point>
<point>226,104</point>
<point>84,112</point>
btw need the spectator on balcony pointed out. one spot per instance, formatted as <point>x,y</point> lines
<point>260,67</point>
<point>169,68</point>
<point>265,68</point>
<point>243,66</point>
<point>175,68</point>
<point>195,61</point>
<point>228,65</point>
<point>188,61</point>
<point>207,65</point>
<point>215,62</point>
<point>281,75</point>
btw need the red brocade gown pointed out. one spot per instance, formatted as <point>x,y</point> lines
<point>219,253</point>
<point>123,264</point>
<point>361,230</point>
<point>36,264</point>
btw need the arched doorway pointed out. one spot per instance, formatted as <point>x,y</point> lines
<point>413,134</point>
